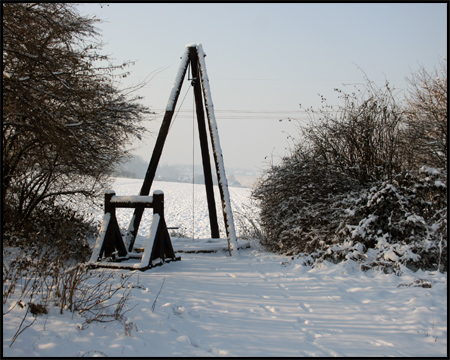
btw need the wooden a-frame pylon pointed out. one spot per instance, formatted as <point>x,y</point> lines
<point>194,56</point>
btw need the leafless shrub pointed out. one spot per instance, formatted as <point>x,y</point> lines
<point>427,133</point>
<point>362,137</point>
<point>128,328</point>
<point>74,288</point>
<point>21,329</point>
<point>248,224</point>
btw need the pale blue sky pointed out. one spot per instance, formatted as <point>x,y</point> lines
<point>265,59</point>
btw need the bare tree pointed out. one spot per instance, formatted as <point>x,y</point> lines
<point>427,117</point>
<point>65,122</point>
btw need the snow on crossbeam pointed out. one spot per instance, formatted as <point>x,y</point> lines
<point>132,201</point>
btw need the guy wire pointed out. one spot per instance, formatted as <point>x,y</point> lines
<point>179,108</point>
<point>193,168</point>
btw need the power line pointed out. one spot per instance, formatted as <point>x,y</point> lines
<point>284,79</point>
<point>248,114</point>
<point>246,111</point>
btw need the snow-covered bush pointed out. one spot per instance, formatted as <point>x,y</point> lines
<point>298,203</point>
<point>399,222</point>
<point>327,216</point>
<point>351,189</point>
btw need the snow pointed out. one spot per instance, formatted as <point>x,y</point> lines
<point>416,219</point>
<point>176,86</point>
<point>258,304</point>
<point>132,199</point>
<point>150,240</point>
<point>390,255</point>
<point>76,124</point>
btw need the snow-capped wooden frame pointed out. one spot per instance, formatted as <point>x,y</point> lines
<point>195,57</point>
<point>112,251</point>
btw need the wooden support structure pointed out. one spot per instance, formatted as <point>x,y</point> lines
<point>194,56</point>
<point>110,250</point>
<point>204,144</point>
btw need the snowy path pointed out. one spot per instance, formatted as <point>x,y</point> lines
<point>261,304</point>
<point>214,304</point>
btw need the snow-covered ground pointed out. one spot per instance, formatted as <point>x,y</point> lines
<point>257,304</point>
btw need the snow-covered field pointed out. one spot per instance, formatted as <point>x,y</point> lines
<point>257,304</point>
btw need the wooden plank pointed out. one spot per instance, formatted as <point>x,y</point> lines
<point>143,205</point>
<point>128,266</point>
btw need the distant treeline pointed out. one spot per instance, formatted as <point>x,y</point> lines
<point>136,167</point>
